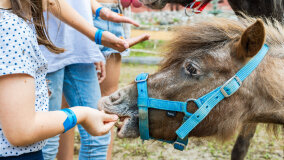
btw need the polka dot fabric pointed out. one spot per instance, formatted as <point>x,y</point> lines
<point>19,53</point>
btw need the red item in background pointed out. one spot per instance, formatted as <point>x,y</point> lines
<point>200,6</point>
<point>125,3</point>
<point>204,5</point>
<point>136,3</point>
<point>196,4</point>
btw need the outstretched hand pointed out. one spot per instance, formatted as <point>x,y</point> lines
<point>98,123</point>
<point>111,41</point>
<point>107,14</point>
<point>133,41</point>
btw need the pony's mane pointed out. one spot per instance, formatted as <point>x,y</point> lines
<point>215,32</point>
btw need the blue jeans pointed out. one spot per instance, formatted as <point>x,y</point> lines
<point>80,86</point>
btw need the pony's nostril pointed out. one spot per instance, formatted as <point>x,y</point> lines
<point>116,98</point>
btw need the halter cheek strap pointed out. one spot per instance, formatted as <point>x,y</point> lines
<point>205,103</point>
<point>144,102</point>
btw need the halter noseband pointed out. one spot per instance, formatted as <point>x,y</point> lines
<point>205,103</point>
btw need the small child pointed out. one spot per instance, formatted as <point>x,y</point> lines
<point>25,122</point>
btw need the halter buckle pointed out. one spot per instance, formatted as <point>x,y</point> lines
<point>179,146</point>
<point>226,94</point>
<point>142,78</point>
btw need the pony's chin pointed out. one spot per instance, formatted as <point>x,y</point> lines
<point>126,129</point>
<point>121,129</point>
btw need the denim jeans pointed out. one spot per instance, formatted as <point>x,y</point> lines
<point>80,86</point>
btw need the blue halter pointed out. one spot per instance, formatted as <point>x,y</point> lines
<point>205,103</point>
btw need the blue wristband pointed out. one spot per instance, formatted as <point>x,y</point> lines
<point>98,36</point>
<point>98,11</point>
<point>70,121</point>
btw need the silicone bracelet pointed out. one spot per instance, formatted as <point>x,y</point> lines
<point>98,11</point>
<point>70,121</point>
<point>98,36</point>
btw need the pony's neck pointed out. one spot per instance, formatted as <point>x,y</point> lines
<point>271,77</point>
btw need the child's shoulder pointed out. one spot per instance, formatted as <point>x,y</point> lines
<point>13,26</point>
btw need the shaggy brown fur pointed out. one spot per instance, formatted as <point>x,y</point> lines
<point>213,33</point>
<point>216,32</point>
<point>214,50</point>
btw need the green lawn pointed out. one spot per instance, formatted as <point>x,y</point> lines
<point>151,45</point>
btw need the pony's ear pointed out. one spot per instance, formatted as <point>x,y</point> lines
<point>251,40</point>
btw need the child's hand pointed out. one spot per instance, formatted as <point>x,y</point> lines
<point>101,71</point>
<point>119,44</point>
<point>135,40</point>
<point>111,41</point>
<point>107,14</point>
<point>98,123</point>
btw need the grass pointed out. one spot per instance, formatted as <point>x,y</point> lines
<point>130,71</point>
<point>151,45</point>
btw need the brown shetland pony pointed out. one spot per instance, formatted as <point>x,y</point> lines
<point>200,58</point>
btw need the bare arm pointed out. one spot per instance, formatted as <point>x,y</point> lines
<point>67,14</point>
<point>63,11</point>
<point>107,14</point>
<point>23,126</point>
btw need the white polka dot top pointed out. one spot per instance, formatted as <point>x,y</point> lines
<point>19,53</point>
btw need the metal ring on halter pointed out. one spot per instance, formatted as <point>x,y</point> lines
<point>191,9</point>
<point>185,109</point>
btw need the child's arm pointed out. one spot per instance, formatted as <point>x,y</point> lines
<point>63,11</point>
<point>67,14</point>
<point>107,14</point>
<point>23,126</point>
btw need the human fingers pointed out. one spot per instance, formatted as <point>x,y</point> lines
<point>103,73</point>
<point>109,117</point>
<point>98,67</point>
<point>121,44</point>
<point>107,127</point>
<point>130,21</point>
<point>135,40</point>
<point>111,41</point>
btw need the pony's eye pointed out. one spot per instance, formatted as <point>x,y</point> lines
<point>191,69</point>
